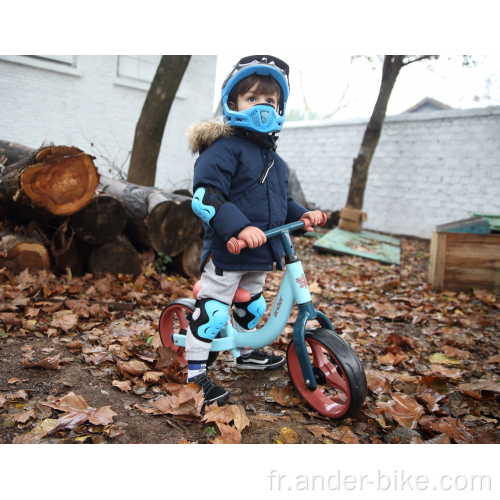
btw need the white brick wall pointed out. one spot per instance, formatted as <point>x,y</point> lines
<point>428,168</point>
<point>90,104</point>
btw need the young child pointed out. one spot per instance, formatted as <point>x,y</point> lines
<point>240,189</point>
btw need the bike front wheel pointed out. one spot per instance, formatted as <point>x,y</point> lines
<point>339,374</point>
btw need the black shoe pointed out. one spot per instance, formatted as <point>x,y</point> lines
<point>211,391</point>
<point>259,360</point>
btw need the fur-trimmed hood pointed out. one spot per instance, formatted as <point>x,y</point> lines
<point>203,134</point>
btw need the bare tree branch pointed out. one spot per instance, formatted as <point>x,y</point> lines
<point>421,58</point>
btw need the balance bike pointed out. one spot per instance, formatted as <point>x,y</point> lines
<point>323,366</point>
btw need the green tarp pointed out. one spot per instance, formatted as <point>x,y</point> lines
<point>365,244</point>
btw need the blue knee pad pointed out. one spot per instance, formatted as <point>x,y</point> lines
<point>212,317</point>
<point>206,203</point>
<point>254,309</point>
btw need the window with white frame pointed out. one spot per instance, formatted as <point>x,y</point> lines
<point>138,67</point>
<point>60,59</point>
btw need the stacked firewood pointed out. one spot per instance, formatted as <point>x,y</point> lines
<point>59,213</point>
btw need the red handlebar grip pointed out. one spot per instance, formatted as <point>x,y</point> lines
<point>235,246</point>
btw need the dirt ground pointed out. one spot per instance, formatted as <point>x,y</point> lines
<point>432,360</point>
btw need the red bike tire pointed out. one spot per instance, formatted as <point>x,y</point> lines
<point>350,377</point>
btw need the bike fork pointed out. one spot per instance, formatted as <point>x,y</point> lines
<point>306,312</point>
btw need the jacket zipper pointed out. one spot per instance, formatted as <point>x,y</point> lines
<point>266,171</point>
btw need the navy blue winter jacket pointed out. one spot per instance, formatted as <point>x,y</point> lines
<point>233,164</point>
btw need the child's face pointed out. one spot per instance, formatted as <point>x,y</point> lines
<point>251,98</point>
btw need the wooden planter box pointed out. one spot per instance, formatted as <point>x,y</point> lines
<point>461,261</point>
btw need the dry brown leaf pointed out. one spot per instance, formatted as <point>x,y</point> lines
<point>185,441</point>
<point>402,409</point>
<point>376,381</point>
<point>3,399</point>
<point>454,429</point>
<point>188,401</point>
<point>13,380</point>
<point>167,357</point>
<point>135,367</point>
<point>148,410</point>
<point>446,372</point>
<point>482,389</point>
<point>494,359</point>
<point>266,417</point>
<point>40,431</point>
<point>226,414</point>
<point>23,416</point>
<point>453,352</point>
<point>77,411</point>
<point>229,435</point>
<point>123,385</point>
<point>318,430</point>
<point>391,359</point>
<point>282,397</point>
<point>344,434</point>
<point>152,376</point>
<point>67,322</point>
<point>51,363</point>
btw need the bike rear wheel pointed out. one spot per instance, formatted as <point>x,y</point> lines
<point>339,374</point>
<point>175,320</point>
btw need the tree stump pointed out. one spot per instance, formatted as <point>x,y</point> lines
<point>52,181</point>
<point>188,262</point>
<point>156,219</point>
<point>116,257</point>
<point>101,221</point>
<point>20,252</point>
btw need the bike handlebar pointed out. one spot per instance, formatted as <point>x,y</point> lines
<point>235,246</point>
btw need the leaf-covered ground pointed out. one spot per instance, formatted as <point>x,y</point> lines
<point>76,368</point>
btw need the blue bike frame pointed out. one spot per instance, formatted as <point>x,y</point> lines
<point>293,289</point>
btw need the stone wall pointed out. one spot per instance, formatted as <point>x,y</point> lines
<point>428,169</point>
<point>87,105</point>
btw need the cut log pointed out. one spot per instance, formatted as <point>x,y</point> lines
<point>52,181</point>
<point>101,221</point>
<point>155,219</point>
<point>116,257</point>
<point>13,152</point>
<point>188,262</point>
<point>73,258</point>
<point>20,252</point>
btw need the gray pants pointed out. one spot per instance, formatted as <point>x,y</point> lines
<point>221,288</point>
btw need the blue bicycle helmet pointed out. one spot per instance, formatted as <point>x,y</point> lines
<point>261,118</point>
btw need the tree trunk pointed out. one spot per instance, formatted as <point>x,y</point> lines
<point>116,257</point>
<point>392,66</point>
<point>21,252</point>
<point>101,221</point>
<point>13,152</point>
<point>52,181</point>
<point>188,262</point>
<point>73,258</point>
<point>156,219</point>
<point>151,124</point>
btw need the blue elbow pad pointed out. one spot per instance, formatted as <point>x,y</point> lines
<point>207,202</point>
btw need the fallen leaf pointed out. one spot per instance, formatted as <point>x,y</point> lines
<point>267,417</point>
<point>40,431</point>
<point>152,376</point>
<point>66,323</point>
<point>494,359</point>
<point>167,357</point>
<point>392,359</point>
<point>344,434</point>
<point>317,430</point>
<point>483,389</point>
<point>23,416</point>
<point>454,429</point>
<point>229,435</point>
<point>188,401</point>
<point>134,367</point>
<point>77,411</point>
<point>440,358</point>
<point>226,414</point>
<point>453,352</point>
<point>185,441</point>
<point>13,380</point>
<point>282,397</point>
<point>376,381</point>
<point>402,409</point>
<point>123,385</point>
<point>51,363</point>
<point>446,372</point>
<point>287,436</point>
